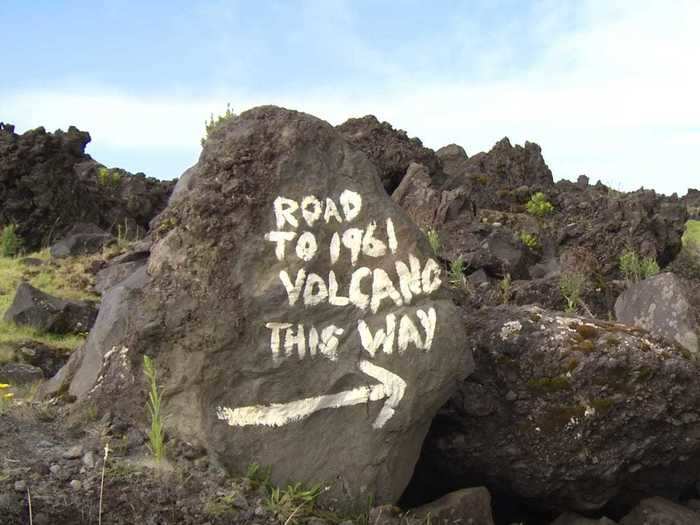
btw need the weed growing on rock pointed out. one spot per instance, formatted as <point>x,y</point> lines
<point>294,501</point>
<point>10,243</point>
<point>108,178</point>
<point>529,240</point>
<point>211,124</point>
<point>538,205</point>
<point>571,286</point>
<point>156,436</point>
<point>505,286</point>
<point>5,397</point>
<point>433,239</point>
<point>634,268</point>
<point>456,274</point>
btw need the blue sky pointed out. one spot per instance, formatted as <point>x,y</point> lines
<point>607,88</point>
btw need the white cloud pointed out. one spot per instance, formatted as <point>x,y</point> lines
<point>616,99</point>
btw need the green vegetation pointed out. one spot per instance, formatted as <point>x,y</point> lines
<point>455,276</point>
<point>212,123</point>
<point>294,502</point>
<point>433,239</point>
<point>108,178</point>
<point>549,384</point>
<point>64,278</point>
<point>505,286</point>
<point>156,436</point>
<point>538,205</point>
<point>692,233</point>
<point>529,240</point>
<point>10,243</point>
<point>571,285</point>
<point>634,268</point>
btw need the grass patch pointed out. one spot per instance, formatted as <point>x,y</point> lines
<point>65,278</point>
<point>692,232</point>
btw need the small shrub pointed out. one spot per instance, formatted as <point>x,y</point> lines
<point>212,123</point>
<point>433,239</point>
<point>455,276</point>
<point>634,268</point>
<point>538,205</point>
<point>10,243</point>
<point>505,286</point>
<point>294,501</point>
<point>108,178</point>
<point>156,436</point>
<point>571,286</point>
<point>529,240</point>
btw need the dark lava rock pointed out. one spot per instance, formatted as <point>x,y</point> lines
<point>471,506</point>
<point>48,183</point>
<point>658,511</point>
<point>659,304</point>
<point>47,313</point>
<point>453,159</point>
<point>20,373</point>
<point>574,519</point>
<point>389,149</point>
<point>567,413</point>
<point>267,353</point>
<point>116,273</point>
<point>81,239</point>
<point>49,359</point>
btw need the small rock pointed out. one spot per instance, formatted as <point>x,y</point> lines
<point>259,511</point>
<point>73,452</point>
<point>135,438</point>
<point>20,485</point>
<point>89,459</point>
<point>76,485</point>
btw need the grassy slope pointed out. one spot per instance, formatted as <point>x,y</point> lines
<point>692,232</point>
<point>65,278</point>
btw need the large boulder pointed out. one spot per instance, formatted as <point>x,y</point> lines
<point>46,313</point>
<point>48,183</point>
<point>389,149</point>
<point>454,160</point>
<point>659,304</point>
<point>566,413</point>
<point>294,311</point>
<point>659,511</point>
<point>81,239</point>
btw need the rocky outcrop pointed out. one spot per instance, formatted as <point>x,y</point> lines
<point>46,313</point>
<point>659,304</point>
<point>567,413</point>
<point>454,160</point>
<point>48,183</point>
<point>294,310</point>
<point>389,149</point>
<point>81,239</point>
<point>692,202</point>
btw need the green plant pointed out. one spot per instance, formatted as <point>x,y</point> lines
<point>538,205</point>
<point>634,268</point>
<point>433,239</point>
<point>529,240</point>
<point>455,276</point>
<point>156,436</point>
<point>107,177</point>
<point>212,123</point>
<point>505,287</point>
<point>571,285</point>
<point>5,397</point>
<point>10,243</point>
<point>294,501</point>
<point>259,476</point>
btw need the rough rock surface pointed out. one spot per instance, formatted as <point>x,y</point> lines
<point>47,313</point>
<point>427,206</point>
<point>471,506</point>
<point>658,511</point>
<point>116,273</point>
<point>659,304</point>
<point>265,357</point>
<point>692,202</point>
<point>81,239</point>
<point>389,149</point>
<point>48,183</point>
<point>574,519</point>
<point>453,159</point>
<point>567,413</point>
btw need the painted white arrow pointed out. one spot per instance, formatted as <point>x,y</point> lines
<point>390,387</point>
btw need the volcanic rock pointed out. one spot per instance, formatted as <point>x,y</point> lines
<point>81,239</point>
<point>294,312</point>
<point>48,183</point>
<point>567,413</point>
<point>659,304</point>
<point>390,150</point>
<point>46,313</point>
<point>659,511</point>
